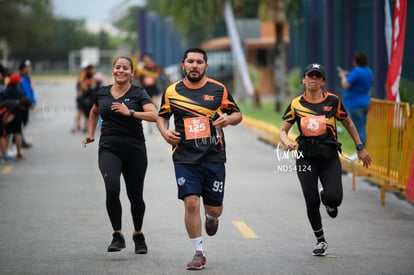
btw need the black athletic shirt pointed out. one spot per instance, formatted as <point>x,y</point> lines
<point>307,114</point>
<point>197,107</point>
<point>119,132</point>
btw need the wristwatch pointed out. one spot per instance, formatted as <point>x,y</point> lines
<point>132,112</point>
<point>360,147</point>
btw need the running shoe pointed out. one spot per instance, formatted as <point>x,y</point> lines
<point>118,242</point>
<point>211,226</point>
<point>19,157</point>
<point>320,249</point>
<point>26,145</point>
<point>332,211</point>
<point>140,245</point>
<point>9,158</point>
<point>198,262</point>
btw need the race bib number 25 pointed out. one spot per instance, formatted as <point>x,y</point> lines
<point>197,127</point>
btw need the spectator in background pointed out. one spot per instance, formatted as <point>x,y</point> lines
<point>356,99</point>
<point>79,110</point>
<point>10,123</point>
<point>150,74</point>
<point>26,86</point>
<point>88,89</point>
<point>100,80</point>
<point>13,90</point>
<point>3,75</point>
<point>153,79</point>
<point>85,88</point>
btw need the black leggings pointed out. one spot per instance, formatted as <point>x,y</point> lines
<point>133,167</point>
<point>330,174</point>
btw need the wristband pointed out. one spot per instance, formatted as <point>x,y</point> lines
<point>360,147</point>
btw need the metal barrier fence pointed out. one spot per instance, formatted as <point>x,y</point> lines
<point>390,141</point>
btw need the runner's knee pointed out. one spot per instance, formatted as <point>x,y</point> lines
<point>214,211</point>
<point>192,203</point>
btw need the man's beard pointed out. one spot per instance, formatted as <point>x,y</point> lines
<point>196,78</point>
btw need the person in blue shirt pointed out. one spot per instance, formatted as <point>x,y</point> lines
<point>25,69</point>
<point>357,83</point>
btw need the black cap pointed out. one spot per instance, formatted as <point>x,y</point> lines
<point>315,67</point>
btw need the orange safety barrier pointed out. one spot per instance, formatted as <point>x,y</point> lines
<point>408,150</point>
<point>389,142</point>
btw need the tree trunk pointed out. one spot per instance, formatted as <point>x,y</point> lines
<point>280,55</point>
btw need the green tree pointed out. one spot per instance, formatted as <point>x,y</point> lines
<point>196,19</point>
<point>23,23</point>
<point>30,30</point>
<point>69,35</point>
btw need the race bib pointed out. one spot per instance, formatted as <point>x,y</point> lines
<point>313,126</point>
<point>149,81</point>
<point>197,127</point>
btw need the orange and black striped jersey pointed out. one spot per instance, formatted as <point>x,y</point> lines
<point>316,119</point>
<point>193,109</point>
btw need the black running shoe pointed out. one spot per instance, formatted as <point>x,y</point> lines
<point>26,145</point>
<point>140,245</point>
<point>320,249</point>
<point>118,242</point>
<point>332,211</point>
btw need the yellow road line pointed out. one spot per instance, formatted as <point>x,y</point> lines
<point>7,169</point>
<point>244,229</point>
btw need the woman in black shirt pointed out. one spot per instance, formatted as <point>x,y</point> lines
<point>316,112</point>
<point>122,149</point>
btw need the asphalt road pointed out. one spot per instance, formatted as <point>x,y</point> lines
<point>53,218</point>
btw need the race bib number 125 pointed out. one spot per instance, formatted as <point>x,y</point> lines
<point>197,127</point>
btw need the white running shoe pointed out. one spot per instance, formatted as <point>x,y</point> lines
<point>320,249</point>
